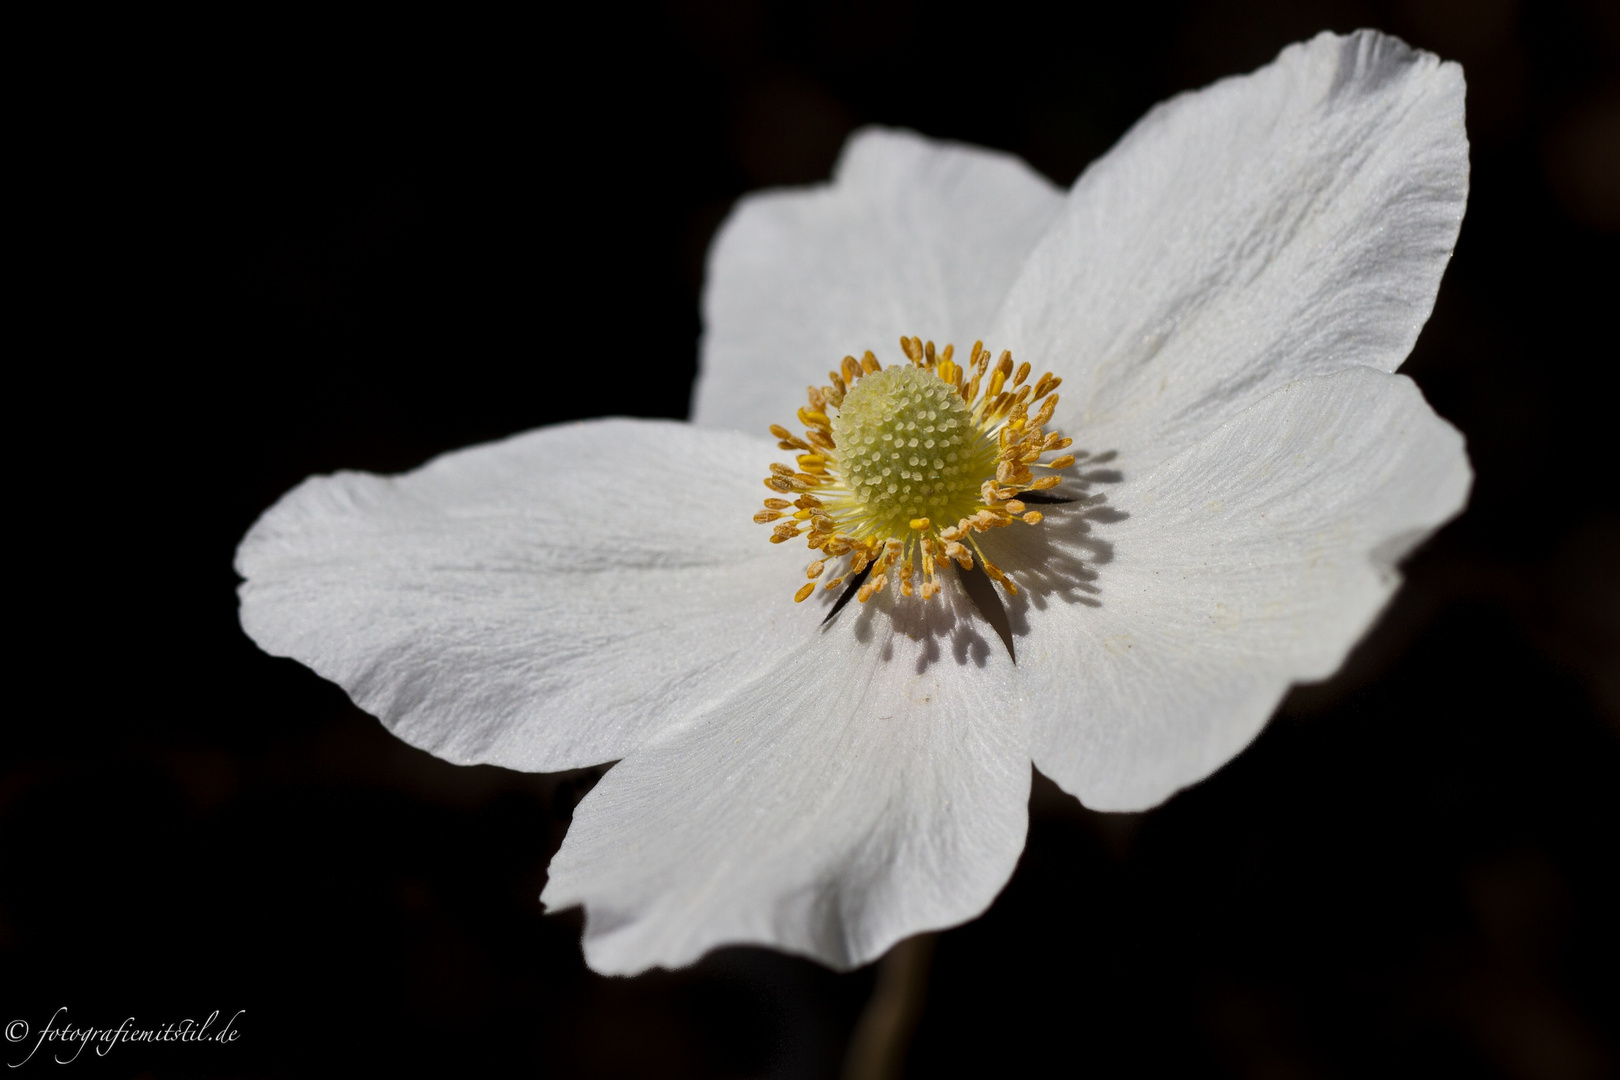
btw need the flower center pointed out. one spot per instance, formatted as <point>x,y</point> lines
<point>908,449</point>
<point>900,467</point>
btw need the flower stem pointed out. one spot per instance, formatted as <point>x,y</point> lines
<point>882,1035</point>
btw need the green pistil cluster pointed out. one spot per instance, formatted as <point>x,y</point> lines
<point>907,449</point>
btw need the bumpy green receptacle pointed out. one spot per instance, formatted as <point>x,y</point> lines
<point>908,448</point>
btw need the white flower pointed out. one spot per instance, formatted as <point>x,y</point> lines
<point>1226,293</point>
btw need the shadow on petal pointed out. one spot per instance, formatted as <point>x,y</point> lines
<point>1056,561</point>
<point>1060,560</point>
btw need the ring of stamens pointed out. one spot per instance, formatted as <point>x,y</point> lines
<point>901,467</point>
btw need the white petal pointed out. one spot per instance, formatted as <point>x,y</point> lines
<point>1291,222</point>
<point>873,786</point>
<point>540,603</point>
<point>911,237</point>
<point>1249,561</point>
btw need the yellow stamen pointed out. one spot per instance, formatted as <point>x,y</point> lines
<point>886,453</point>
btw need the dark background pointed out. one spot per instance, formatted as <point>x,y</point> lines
<point>267,245</point>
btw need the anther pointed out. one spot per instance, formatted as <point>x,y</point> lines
<point>804,591</point>
<point>789,440</point>
<point>1047,409</point>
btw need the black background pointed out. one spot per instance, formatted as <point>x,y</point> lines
<point>262,246</point>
